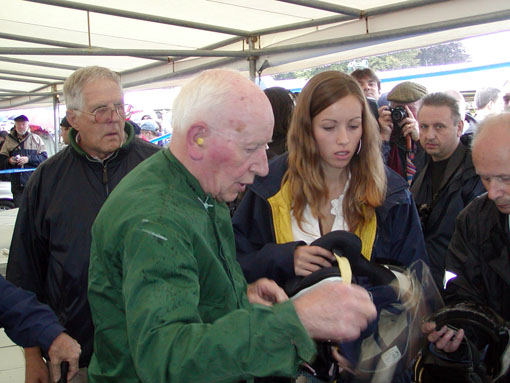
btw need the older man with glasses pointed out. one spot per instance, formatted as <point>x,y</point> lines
<point>50,249</point>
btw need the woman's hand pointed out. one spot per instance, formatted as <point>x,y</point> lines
<point>308,259</point>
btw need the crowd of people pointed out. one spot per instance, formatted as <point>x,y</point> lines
<point>146,275</point>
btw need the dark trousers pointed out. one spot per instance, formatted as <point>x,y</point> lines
<point>17,193</point>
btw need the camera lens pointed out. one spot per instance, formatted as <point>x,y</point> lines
<point>398,113</point>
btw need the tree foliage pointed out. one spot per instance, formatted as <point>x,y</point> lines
<point>448,53</point>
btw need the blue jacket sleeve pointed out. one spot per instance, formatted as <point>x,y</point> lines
<point>385,151</point>
<point>26,321</point>
<point>36,159</point>
<point>256,249</point>
<point>400,237</point>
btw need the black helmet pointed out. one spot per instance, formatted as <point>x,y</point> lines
<point>483,356</point>
<point>387,347</point>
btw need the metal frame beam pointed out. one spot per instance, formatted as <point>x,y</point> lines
<point>120,52</point>
<point>325,6</point>
<point>143,16</point>
<point>36,40</point>
<point>396,33</point>
<point>30,74</point>
<point>38,63</point>
<point>19,79</point>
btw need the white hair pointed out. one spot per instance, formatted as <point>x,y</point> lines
<point>73,86</point>
<point>204,94</point>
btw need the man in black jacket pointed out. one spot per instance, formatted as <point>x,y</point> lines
<point>50,249</point>
<point>479,252</point>
<point>448,182</point>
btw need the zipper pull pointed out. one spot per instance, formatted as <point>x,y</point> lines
<point>105,175</point>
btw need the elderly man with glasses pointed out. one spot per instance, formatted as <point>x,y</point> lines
<point>49,254</point>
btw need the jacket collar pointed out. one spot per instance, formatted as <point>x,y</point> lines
<point>15,136</point>
<point>455,161</point>
<point>499,235</point>
<point>205,199</point>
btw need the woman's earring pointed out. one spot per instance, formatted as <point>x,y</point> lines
<point>359,146</point>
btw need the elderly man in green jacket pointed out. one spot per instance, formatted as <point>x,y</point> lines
<point>168,298</point>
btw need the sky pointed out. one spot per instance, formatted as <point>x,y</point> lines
<point>488,48</point>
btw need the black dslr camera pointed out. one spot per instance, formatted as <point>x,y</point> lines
<point>398,113</point>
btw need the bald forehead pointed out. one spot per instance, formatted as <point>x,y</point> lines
<point>246,103</point>
<point>494,133</point>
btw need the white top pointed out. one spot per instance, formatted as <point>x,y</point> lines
<point>311,230</point>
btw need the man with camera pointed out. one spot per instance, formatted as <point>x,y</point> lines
<point>448,181</point>
<point>399,128</point>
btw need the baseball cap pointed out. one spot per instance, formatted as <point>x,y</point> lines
<point>149,125</point>
<point>21,117</point>
<point>65,123</point>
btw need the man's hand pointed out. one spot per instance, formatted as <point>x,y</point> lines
<point>20,161</point>
<point>308,259</point>
<point>36,370</point>
<point>13,160</point>
<point>445,339</point>
<point>335,311</point>
<point>410,126</point>
<point>385,123</point>
<point>266,292</point>
<point>64,349</point>
<point>343,363</point>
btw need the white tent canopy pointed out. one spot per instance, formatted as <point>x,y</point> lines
<point>156,43</point>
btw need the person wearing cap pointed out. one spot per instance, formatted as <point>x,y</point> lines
<point>21,149</point>
<point>448,181</point>
<point>49,253</point>
<point>400,137</point>
<point>65,127</point>
<point>149,130</point>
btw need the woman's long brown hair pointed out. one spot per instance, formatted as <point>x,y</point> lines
<point>367,186</point>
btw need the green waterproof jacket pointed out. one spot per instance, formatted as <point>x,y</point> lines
<point>167,296</point>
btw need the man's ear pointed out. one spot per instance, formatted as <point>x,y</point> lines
<point>460,127</point>
<point>196,140</point>
<point>72,118</point>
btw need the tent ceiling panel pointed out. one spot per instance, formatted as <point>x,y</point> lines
<point>148,42</point>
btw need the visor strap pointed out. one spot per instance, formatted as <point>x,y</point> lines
<point>345,268</point>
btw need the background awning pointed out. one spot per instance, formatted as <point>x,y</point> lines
<point>157,43</point>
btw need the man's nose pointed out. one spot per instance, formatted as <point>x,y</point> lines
<point>431,134</point>
<point>260,167</point>
<point>115,116</point>
<point>494,189</point>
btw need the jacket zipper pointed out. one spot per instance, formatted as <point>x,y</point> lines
<point>105,178</point>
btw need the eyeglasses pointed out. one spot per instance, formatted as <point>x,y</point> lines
<point>104,114</point>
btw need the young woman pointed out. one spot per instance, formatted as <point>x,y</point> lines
<point>332,178</point>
